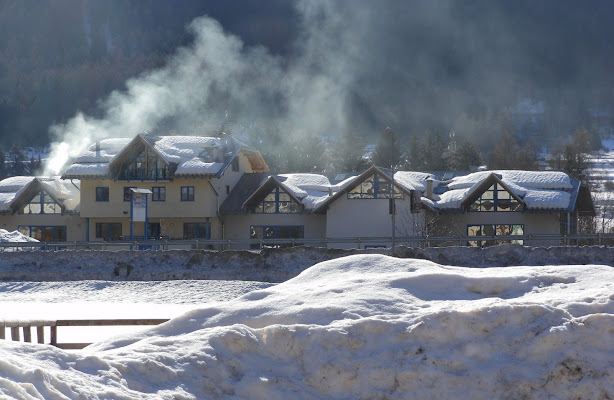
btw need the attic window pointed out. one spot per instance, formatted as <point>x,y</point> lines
<point>374,187</point>
<point>145,166</point>
<point>42,203</point>
<point>495,198</point>
<point>277,202</point>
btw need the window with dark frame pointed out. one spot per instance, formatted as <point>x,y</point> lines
<point>494,230</point>
<point>187,193</point>
<point>158,193</point>
<point>45,233</point>
<point>495,198</point>
<point>375,187</point>
<point>235,164</point>
<point>102,193</point>
<point>109,230</point>
<point>128,192</point>
<point>42,203</point>
<point>277,201</point>
<point>258,232</point>
<point>196,230</point>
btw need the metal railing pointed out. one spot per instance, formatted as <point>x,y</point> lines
<point>25,326</point>
<point>597,239</point>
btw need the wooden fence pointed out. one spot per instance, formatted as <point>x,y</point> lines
<point>17,327</point>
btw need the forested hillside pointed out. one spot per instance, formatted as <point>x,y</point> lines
<point>61,56</point>
<point>334,74</point>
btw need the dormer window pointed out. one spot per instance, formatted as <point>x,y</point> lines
<point>42,203</point>
<point>145,166</point>
<point>375,187</point>
<point>495,198</point>
<point>277,202</point>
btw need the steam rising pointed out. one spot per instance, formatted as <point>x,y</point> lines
<point>359,65</point>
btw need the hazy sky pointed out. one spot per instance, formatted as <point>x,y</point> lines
<point>364,65</point>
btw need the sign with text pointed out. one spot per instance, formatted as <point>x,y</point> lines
<point>139,207</point>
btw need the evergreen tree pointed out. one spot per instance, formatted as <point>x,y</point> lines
<point>436,145</point>
<point>416,155</point>
<point>307,153</point>
<point>3,168</point>
<point>347,152</point>
<point>572,158</point>
<point>508,154</point>
<point>16,160</point>
<point>387,150</point>
<point>461,155</point>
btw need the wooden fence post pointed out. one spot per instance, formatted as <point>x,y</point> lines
<point>40,333</point>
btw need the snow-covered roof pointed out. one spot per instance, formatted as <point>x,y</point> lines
<point>65,192</point>
<point>95,161</point>
<point>310,189</point>
<point>192,155</point>
<point>538,190</point>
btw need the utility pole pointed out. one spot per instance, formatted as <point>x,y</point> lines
<point>393,208</point>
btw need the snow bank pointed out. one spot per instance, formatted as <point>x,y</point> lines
<point>360,327</point>
<point>270,265</point>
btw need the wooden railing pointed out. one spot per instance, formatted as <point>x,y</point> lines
<point>17,327</point>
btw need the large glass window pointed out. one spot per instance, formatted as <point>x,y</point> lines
<point>258,232</point>
<point>196,230</point>
<point>187,193</point>
<point>158,193</point>
<point>277,202</point>
<point>42,203</point>
<point>375,187</point>
<point>494,230</point>
<point>45,233</point>
<point>145,166</point>
<point>128,192</point>
<point>109,230</point>
<point>102,194</point>
<point>495,198</point>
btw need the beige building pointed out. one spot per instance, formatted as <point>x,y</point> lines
<point>44,208</point>
<point>507,202</point>
<point>189,177</point>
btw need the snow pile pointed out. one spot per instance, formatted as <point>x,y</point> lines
<point>14,237</point>
<point>357,327</point>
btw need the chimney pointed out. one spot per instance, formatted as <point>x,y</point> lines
<point>429,188</point>
<point>97,146</point>
<point>330,191</point>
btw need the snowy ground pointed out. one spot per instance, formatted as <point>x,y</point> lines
<point>107,299</point>
<point>359,327</point>
<point>601,171</point>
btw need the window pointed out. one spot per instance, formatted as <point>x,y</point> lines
<point>153,231</point>
<point>374,187</point>
<point>42,203</point>
<point>196,230</point>
<point>235,164</point>
<point>277,202</point>
<point>109,230</point>
<point>227,190</point>
<point>102,194</point>
<point>45,233</point>
<point>187,193</point>
<point>495,198</point>
<point>275,232</point>
<point>128,192</point>
<point>158,193</point>
<point>494,230</point>
<point>145,166</point>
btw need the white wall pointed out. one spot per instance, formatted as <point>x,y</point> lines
<point>370,218</point>
<point>237,226</point>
